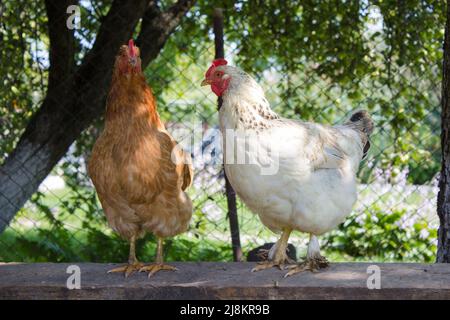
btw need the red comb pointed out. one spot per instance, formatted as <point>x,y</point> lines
<point>131,48</point>
<point>216,63</point>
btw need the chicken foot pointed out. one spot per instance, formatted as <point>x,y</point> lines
<point>133,263</point>
<point>314,260</point>
<point>279,257</point>
<point>159,264</point>
<point>311,264</point>
<point>268,254</point>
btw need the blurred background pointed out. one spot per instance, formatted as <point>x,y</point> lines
<point>316,60</point>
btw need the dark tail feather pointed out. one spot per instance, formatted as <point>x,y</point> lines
<point>361,122</point>
<point>366,149</point>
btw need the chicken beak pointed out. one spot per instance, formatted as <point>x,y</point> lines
<point>205,82</point>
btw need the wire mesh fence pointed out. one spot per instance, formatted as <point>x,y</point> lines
<point>393,220</point>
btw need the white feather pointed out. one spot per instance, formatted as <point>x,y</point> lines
<point>314,186</point>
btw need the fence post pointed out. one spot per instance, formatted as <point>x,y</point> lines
<point>443,205</point>
<point>231,194</point>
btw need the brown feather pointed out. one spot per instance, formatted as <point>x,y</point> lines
<point>139,186</point>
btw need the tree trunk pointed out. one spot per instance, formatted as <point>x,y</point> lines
<point>443,205</point>
<point>231,194</point>
<point>75,98</point>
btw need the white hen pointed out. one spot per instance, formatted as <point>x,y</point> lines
<point>295,175</point>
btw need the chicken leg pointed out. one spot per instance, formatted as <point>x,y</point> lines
<point>279,257</point>
<point>159,264</point>
<point>133,263</point>
<point>314,260</point>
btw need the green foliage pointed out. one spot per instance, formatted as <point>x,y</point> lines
<point>379,235</point>
<point>22,79</point>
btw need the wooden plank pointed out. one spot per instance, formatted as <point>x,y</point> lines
<point>211,280</point>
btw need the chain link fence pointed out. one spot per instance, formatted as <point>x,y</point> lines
<point>393,220</point>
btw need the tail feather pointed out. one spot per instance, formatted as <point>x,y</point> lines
<point>362,122</point>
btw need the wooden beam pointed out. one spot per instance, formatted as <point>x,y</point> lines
<point>215,280</point>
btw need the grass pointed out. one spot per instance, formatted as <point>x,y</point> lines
<point>59,230</point>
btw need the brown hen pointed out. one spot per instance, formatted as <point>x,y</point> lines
<point>138,171</point>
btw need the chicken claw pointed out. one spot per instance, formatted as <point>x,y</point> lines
<point>279,256</point>
<point>267,265</point>
<point>128,269</point>
<point>155,267</point>
<point>313,265</point>
<point>263,254</point>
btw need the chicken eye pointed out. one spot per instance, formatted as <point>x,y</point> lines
<point>218,74</point>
